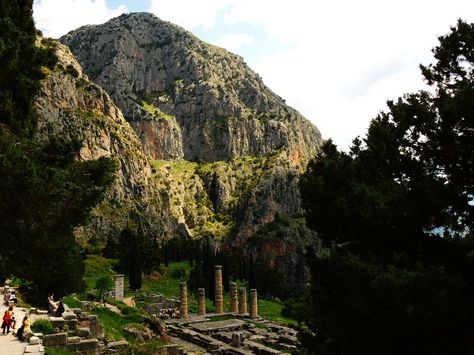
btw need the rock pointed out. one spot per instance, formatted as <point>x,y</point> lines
<point>138,331</point>
<point>34,340</point>
<point>55,339</point>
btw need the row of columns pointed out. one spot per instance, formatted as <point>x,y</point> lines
<point>238,300</point>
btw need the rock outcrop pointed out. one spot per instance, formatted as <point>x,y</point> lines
<point>71,106</point>
<point>186,98</point>
<point>220,153</point>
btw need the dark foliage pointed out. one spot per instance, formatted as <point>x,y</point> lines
<point>44,194</point>
<point>21,63</point>
<point>396,214</point>
<point>44,191</point>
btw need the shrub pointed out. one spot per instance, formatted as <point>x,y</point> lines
<point>42,326</point>
<point>71,70</point>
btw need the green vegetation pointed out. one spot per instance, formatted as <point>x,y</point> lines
<point>168,284</point>
<point>97,267</point>
<point>51,350</point>
<point>114,323</point>
<point>72,301</point>
<point>45,191</point>
<point>103,284</point>
<point>396,214</point>
<point>42,326</point>
<point>21,62</point>
<point>273,310</point>
<point>147,348</point>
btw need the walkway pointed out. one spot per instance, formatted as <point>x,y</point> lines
<point>9,344</point>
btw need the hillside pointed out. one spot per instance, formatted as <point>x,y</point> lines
<point>226,152</point>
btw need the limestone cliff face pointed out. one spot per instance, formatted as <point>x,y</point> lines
<point>186,98</point>
<point>225,151</point>
<point>71,106</point>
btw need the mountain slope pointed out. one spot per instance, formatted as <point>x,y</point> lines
<point>71,106</point>
<point>226,152</point>
<point>186,98</point>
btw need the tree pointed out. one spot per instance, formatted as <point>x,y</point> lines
<point>396,216</point>
<point>44,191</point>
<point>104,284</point>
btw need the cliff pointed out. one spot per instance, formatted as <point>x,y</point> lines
<point>187,99</point>
<point>71,106</point>
<point>225,152</point>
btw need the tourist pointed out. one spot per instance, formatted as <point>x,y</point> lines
<point>13,297</point>
<point>7,320</point>
<point>25,326</point>
<point>60,310</point>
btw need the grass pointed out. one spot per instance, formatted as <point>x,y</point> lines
<point>114,322</point>
<point>50,350</point>
<point>72,301</point>
<point>96,267</point>
<point>167,284</point>
<point>273,310</point>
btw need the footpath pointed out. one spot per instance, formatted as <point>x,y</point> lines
<point>9,344</point>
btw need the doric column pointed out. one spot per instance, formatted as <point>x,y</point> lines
<point>234,302</point>
<point>253,303</point>
<point>219,304</point>
<point>242,300</point>
<point>201,302</point>
<point>183,300</point>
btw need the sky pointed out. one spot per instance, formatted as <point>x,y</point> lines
<point>337,62</point>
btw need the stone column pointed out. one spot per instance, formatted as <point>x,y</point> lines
<point>201,302</point>
<point>219,305</point>
<point>119,293</point>
<point>242,300</point>
<point>234,302</point>
<point>183,300</point>
<point>253,303</point>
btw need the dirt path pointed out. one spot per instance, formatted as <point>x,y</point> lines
<point>129,301</point>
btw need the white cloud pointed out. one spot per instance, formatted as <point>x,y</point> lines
<point>234,41</point>
<point>335,61</point>
<point>189,13</point>
<point>346,58</point>
<point>56,17</point>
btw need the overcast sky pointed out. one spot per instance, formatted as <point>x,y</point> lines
<point>337,62</point>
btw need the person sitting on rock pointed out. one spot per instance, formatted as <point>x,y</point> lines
<point>25,327</point>
<point>60,309</point>
<point>13,297</point>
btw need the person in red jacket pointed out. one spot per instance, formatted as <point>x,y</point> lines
<point>7,319</point>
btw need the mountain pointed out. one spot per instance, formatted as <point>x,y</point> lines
<point>71,106</point>
<point>225,151</point>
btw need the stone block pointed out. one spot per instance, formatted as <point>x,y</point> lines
<point>84,347</point>
<point>117,345</point>
<point>58,322</point>
<point>32,311</point>
<point>76,311</point>
<point>41,312</point>
<point>39,335</point>
<point>72,323</point>
<point>75,339</point>
<point>34,349</point>
<point>68,315</point>
<point>34,340</point>
<point>83,332</point>
<point>55,339</point>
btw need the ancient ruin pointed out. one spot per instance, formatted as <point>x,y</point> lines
<point>242,300</point>
<point>183,300</point>
<point>201,302</point>
<point>219,304</point>
<point>234,302</point>
<point>119,287</point>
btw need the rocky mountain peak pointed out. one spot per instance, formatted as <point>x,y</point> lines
<point>186,98</point>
